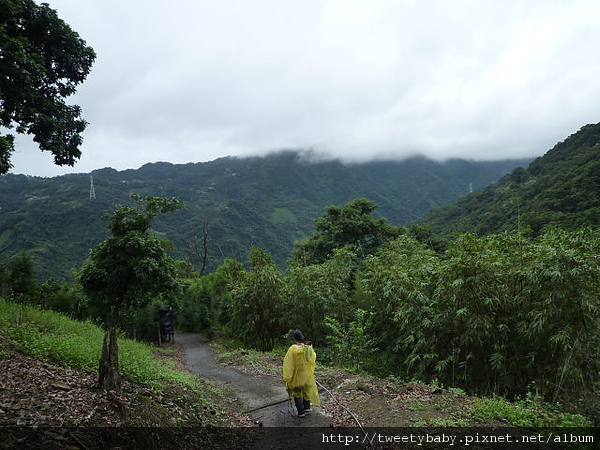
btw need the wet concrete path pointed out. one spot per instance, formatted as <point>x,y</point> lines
<point>263,397</point>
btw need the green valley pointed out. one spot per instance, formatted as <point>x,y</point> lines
<point>269,202</point>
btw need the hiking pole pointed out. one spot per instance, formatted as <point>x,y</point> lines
<point>266,406</point>
<point>349,412</point>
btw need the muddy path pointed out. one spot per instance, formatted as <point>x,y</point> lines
<point>262,397</point>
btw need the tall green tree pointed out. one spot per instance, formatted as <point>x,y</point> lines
<point>21,276</point>
<point>127,270</point>
<point>352,224</point>
<point>42,60</point>
<point>257,314</point>
<point>206,302</point>
<point>4,286</point>
<point>562,321</point>
<point>317,290</point>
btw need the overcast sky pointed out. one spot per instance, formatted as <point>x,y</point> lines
<point>193,80</point>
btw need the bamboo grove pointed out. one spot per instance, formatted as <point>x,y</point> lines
<point>507,314</point>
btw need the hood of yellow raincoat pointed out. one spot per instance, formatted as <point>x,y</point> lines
<point>305,350</point>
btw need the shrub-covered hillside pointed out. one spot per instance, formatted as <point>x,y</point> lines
<point>560,188</point>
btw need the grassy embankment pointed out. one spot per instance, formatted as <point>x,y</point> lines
<point>155,393</point>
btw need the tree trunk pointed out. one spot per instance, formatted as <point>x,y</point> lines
<point>109,378</point>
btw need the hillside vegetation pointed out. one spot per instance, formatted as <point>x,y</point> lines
<point>560,188</point>
<point>514,314</point>
<point>47,364</point>
<point>503,314</point>
<point>269,202</point>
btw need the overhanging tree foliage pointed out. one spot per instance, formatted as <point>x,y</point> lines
<point>42,60</point>
<point>127,270</point>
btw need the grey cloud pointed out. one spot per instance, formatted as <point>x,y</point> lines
<point>194,80</point>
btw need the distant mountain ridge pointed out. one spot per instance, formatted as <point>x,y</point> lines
<point>560,188</point>
<point>270,202</point>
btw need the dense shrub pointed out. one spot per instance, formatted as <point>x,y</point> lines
<point>500,314</point>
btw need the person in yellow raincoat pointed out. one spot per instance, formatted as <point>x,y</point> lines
<point>299,374</point>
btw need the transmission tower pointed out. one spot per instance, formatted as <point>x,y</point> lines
<point>92,190</point>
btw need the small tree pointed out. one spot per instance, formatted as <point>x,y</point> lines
<point>127,270</point>
<point>21,277</point>
<point>4,286</point>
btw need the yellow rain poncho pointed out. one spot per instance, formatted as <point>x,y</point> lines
<point>299,373</point>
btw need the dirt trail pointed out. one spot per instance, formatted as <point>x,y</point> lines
<point>263,397</point>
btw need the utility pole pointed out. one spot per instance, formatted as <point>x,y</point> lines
<point>92,190</point>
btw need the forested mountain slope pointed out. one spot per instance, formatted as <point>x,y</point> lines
<point>559,188</point>
<point>270,202</point>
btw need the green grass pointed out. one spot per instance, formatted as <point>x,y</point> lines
<point>56,338</point>
<point>529,413</point>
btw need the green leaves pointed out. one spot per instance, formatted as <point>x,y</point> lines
<point>561,188</point>
<point>257,307</point>
<point>349,345</point>
<point>351,225</point>
<point>43,60</point>
<point>131,266</point>
<point>7,146</point>
<point>493,314</point>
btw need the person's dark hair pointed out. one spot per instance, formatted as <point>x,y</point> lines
<point>298,336</point>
